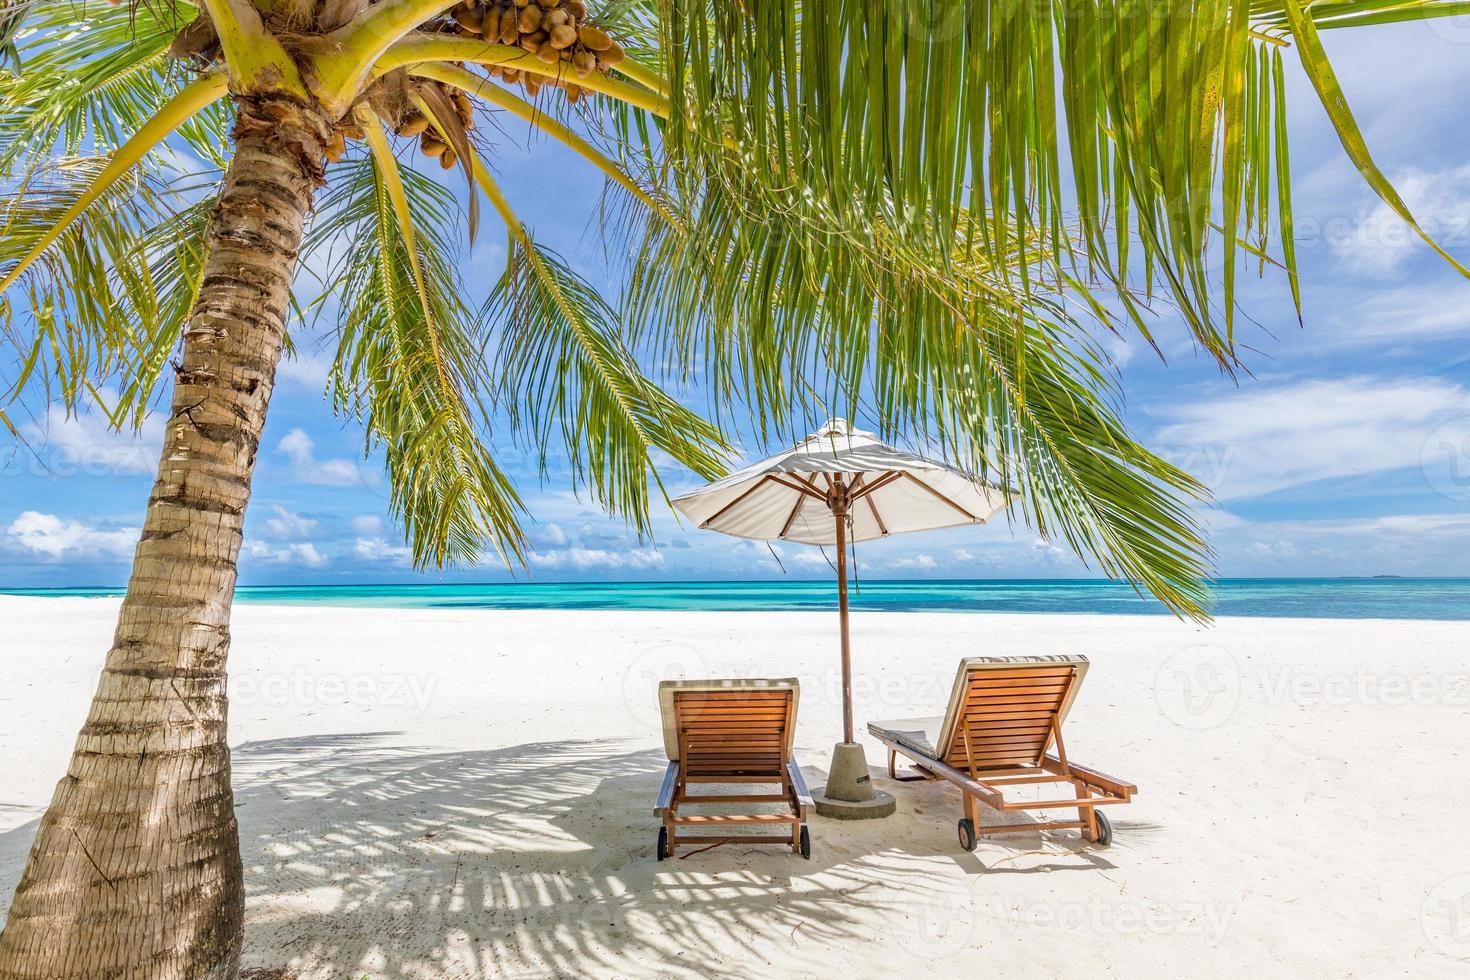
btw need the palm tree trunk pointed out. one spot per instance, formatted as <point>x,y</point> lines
<point>135,870</point>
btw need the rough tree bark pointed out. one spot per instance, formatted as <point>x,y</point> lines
<point>135,871</point>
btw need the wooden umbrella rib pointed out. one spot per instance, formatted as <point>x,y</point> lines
<point>943,498</point>
<point>791,518</point>
<point>873,506</point>
<point>876,485</point>
<point>726,509</point>
<point>799,487</point>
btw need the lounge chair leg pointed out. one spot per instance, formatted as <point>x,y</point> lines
<point>892,764</point>
<point>796,837</point>
<point>970,826</point>
<point>1086,814</point>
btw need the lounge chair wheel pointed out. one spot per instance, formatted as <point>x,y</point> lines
<point>663,843</point>
<point>1104,829</point>
<point>968,839</point>
<point>806,844</point>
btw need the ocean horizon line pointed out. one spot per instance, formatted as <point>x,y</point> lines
<point>814,580</point>
<point>1328,597</point>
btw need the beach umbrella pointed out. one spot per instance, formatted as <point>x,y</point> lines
<point>840,486</point>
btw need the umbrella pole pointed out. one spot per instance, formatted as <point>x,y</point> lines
<point>849,793</point>
<point>839,511</point>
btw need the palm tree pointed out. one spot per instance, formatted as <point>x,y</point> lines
<point>825,206</point>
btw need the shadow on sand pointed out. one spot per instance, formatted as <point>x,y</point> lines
<point>364,856</point>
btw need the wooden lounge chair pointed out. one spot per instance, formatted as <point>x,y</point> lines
<point>1003,728</point>
<point>730,731</point>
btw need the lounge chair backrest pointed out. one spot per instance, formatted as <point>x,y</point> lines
<point>729,727</point>
<point>1006,706</point>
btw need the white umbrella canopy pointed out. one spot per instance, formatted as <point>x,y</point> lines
<point>790,496</point>
<point>834,486</point>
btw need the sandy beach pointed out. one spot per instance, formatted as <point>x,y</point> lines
<point>468,794</point>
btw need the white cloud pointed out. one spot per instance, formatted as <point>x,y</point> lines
<point>298,553</point>
<point>1398,317</point>
<point>1379,243</point>
<point>377,549</point>
<point>553,535</point>
<point>960,554</point>
<point>306,369</point>
<point>368,524</point>
<point>918,563</point>
<point>812,558</point>
<point>286,524</point>
<point>87,445</point>
<point>300,449</point>
<point>1263,438</point>
<point>585,559</point>
<point>49,535</point>
<point>1406,544</point>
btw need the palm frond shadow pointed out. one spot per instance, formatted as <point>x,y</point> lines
<point>366,857</point>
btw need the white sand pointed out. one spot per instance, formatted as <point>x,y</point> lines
<point>468,794</point>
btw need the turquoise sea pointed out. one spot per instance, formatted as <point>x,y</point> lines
<point>1325,598</point>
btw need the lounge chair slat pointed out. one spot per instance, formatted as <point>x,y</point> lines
<point>1002,678</point>
<point>1004,717</point>
<point>735,818</point>
<point>732,732</point>
<point>1005,694</point>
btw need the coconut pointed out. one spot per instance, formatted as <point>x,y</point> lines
<point>529,20</point>
<point>613,55</point>
<point>412,125</point>
<point>563,36</point>
<point>548,54</point>
<point>593,38</point>
<point>447,158</point>
<point>431,146</point>
<point>508,30</point>
<point>469,18</point>
<point>584,61</point>
<point>556,18</point>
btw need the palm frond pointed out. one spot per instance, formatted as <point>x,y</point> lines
<point>794,313</point>
<point>417,383</point>
<point>104,303</point>
<point>952,118</point>
<point>565,365</point>
<point>91,76</point>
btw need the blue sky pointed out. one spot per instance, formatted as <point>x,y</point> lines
<point>1347,452</point>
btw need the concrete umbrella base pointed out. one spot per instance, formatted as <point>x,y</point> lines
<point>849,793</point>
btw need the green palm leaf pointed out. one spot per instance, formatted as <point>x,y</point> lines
<point>564,363</point>
<point>417,383</point>
<point>794,312</point>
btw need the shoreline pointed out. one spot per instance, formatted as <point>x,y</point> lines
<point>463,793</point>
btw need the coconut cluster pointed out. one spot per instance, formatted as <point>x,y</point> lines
<point>555,31</point>
<point>430,142</point>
